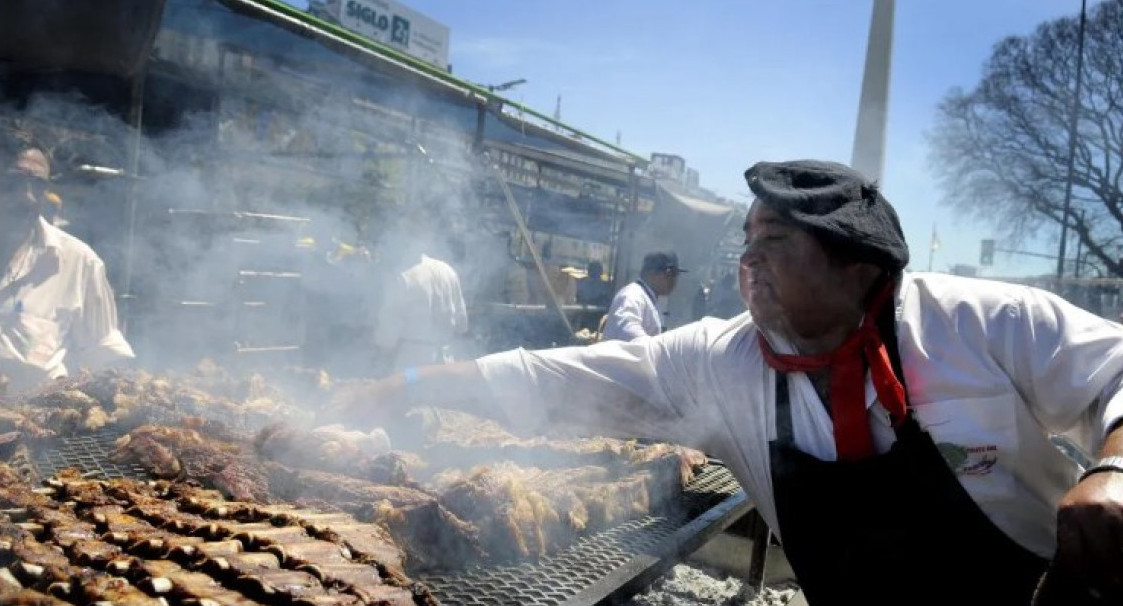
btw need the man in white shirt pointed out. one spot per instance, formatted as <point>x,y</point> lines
<point>635,309</point>
<point>422,310</point>
<point>57,312</point>
<point>892,428</point>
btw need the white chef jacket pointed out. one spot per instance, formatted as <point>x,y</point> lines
<point>56,311</point>
<point>634,313</point>
<point>992,369</point>
<point>421,313</point>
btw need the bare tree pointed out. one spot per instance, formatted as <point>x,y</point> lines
<point>1000,151</point>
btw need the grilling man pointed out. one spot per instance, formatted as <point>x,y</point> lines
<point>635,309</point>
<point>892,427</point>
<point>56,307</point>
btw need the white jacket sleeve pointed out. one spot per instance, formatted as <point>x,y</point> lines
<point>1066,362</point>
<point>644,388</point>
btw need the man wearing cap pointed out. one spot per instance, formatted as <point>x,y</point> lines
<point>892,427</point>
<point>57,312</point>
<point>635,309</point>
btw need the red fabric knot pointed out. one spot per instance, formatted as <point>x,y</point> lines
<point>847,365</point>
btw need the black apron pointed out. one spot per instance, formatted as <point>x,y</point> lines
<point>897,528</point>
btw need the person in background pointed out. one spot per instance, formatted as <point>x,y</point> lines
<point>634,311</point>
<point>593,290</point>
<point>422,310</point>
<point>701,301</point>
<point>57,312</point>
<point>893,428</point>
<point>725,300</point>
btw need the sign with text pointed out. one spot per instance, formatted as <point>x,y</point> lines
<point>395,25</point>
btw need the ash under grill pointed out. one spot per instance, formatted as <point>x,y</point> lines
<point>610,565</point>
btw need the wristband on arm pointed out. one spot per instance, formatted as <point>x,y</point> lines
<point>410,376</point>
<point>1105,464</point>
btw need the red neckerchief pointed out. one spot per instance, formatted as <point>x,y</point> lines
<point>847,365</point>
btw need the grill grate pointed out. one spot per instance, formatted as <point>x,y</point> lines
<point>88,454</point>
<point>565,576</point>
<point>562,578</point>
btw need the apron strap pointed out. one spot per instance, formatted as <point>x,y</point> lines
<point>785,436</point>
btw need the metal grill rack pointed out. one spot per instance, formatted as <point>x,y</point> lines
<point>88,454</point>
<point>609,566</point>
<point>605,567</point>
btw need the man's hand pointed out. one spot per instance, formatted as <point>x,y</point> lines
<point>365,403</point>
<point>1090,533</point>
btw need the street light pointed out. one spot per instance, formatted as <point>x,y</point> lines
<point>491,88</point>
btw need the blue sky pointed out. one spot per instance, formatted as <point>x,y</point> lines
<point>725,83</point>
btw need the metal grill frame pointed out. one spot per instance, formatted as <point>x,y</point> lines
<point>610,566</point>
<point>607,567</point>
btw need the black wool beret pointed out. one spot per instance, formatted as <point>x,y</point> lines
<point>837,205</point>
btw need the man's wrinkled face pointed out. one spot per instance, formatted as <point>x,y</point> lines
<point>22,185</point>
<point>787,279</point>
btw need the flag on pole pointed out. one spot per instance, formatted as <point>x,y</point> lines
<point>935,239</point>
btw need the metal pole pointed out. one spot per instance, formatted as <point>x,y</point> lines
<point>1072,122</point>
<point>1079,249</point>
<point>136,119</point>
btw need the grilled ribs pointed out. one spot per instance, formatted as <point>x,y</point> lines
<point>433,536</point>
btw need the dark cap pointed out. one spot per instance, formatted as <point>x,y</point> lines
<point>836,204</point>
<point>661,261</point>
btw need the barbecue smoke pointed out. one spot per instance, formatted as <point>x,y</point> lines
<point>259,224</point>
<point>215,242</point>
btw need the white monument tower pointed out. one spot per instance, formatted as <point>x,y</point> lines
<point>873,108</point>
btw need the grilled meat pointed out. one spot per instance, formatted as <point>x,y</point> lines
<point>362,581</point>
<point>94,552</point>
<point>170,452</point>
<point>144,450</point>
<point>260,536</point>
<point>29,597</point>
<point>112,520</point>
<point>434,536</point>
<point>35,564</point>
<point>241,564</point>
<point>659,455</point>
<point>8,583</point>
<point>200,550</point>
<point>359,455</point>
<point>337,599</point>
<point>368,544</point>
<point>292,584</point>
<point>18,419</point>
<point>15,491</point>
<point>515,521</point>
<point>93,587</point>
<point>62,398</point>
<point>309,552</point>
<point>158,512</point>
<point>187,587</point>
